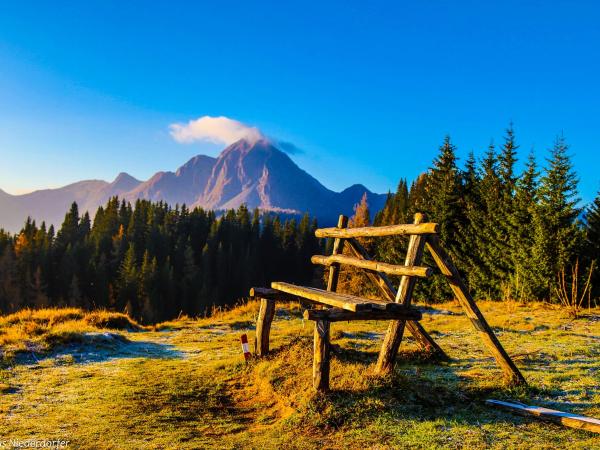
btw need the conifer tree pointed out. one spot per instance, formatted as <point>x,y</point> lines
<point>524,275</point>
<point>557,234</point>
<point>470,201</point>
<point>128,280</point>
<point>443,191</point>
<point>507,159</point>
<point>487,275</point>
<point>592,242</point>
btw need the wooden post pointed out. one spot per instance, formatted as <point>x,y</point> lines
<point>321,356</point>
<point>386,288</point>
<point>263,325</point>
<point>461,292</point>
<point>321,344</point>
<point>393,337</point>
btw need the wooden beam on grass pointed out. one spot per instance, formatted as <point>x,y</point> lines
<point>550,415</point>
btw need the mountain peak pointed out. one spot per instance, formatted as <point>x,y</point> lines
<point>356,189</point>
<point>246,146</point>
<point>124,176</point>
<point>124,182</point>
<point>194,163</point>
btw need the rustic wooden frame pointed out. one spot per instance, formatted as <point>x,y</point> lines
<point>423,236</point>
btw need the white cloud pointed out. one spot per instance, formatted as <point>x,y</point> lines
<point>218,130</point>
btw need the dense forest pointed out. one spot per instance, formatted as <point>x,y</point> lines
<point>513,235</point>
<point>152,260</point>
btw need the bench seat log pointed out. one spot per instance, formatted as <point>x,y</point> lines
<point>390,269</point>
<point>335,299</point>
<point>272,294</point>
<point>341,315</point>
<point>389,230</point>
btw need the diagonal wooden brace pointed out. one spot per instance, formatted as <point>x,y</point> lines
<point>449,270</point>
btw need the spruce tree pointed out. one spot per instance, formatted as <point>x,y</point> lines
<point>507,159</point>
<point>557,233</point>
<point>470,201</point>
<point>592,242</point>
<point>491,247</point>
<point>524,276</point>
<point>443,191</point>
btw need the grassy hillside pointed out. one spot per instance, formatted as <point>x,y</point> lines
<point>102,381</point>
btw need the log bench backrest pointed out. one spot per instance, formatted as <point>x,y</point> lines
<point>365,262</point>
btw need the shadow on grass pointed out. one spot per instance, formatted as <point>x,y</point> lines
<point>417,397</point>
<point>420,388</point>
<point>82,348</point>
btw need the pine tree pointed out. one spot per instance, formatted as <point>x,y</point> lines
<point>149,293</point>
<point>524,275</point>
<point>128,283</point>
<point>442,204</point>
<point>506,163</point>
<point>491,251</point>
<point>507,159</point>
<point>558,237</point>
<point>469,259</point>
<point>592,242</point>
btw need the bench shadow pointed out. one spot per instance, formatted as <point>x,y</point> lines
<point>422,387</point>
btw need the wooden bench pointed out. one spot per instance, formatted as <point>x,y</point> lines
<point>394,304</point>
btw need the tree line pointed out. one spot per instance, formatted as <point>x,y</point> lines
<point>151,260</point>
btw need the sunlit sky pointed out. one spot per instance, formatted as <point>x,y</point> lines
<point>366,90</point>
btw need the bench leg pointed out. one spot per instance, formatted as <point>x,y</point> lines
<point>263,326</point>
<point>321,356</point>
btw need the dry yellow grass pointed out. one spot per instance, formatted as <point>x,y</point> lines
<point>40,330</point>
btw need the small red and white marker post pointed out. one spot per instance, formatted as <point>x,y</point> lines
<point>245,347</point>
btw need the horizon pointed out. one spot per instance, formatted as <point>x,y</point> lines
<point>89,92</point>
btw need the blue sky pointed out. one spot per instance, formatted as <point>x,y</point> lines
<point>366,89</point>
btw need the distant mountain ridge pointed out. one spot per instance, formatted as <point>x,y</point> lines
<point>253,173</point>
